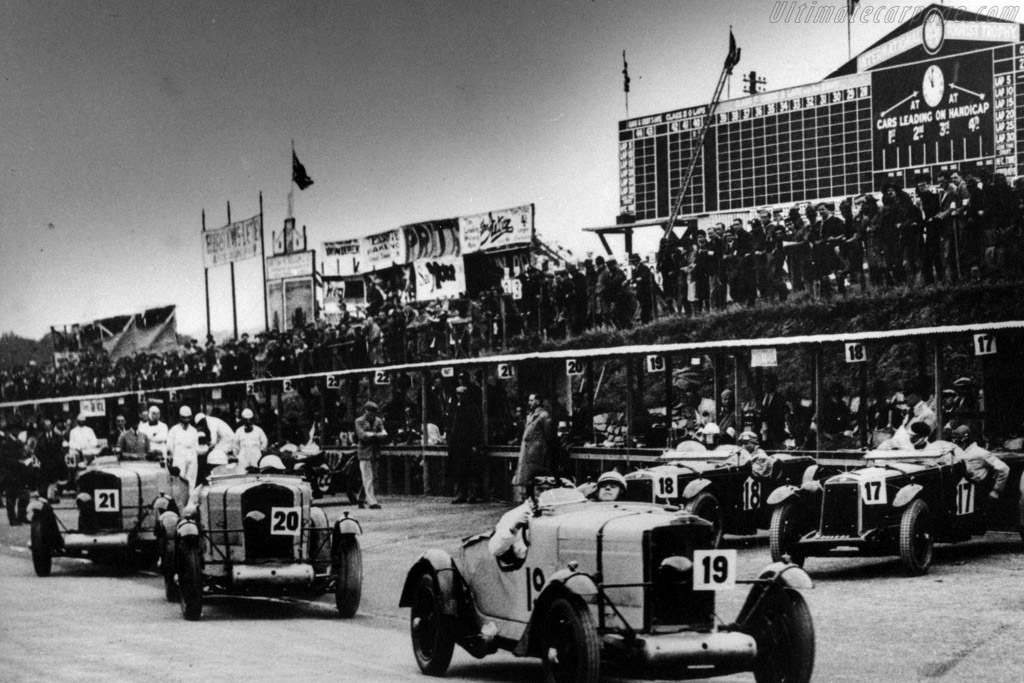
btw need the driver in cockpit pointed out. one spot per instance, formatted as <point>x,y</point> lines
<point>508,533</point>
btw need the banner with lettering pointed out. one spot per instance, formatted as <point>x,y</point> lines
<point>439,278</point>
<point>496,229</point>
<point>432,239</point>
<point>234,242</point>
<point>342,257</point>
<point>383,250</point>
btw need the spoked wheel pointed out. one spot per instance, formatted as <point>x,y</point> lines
<point>167,569</point>
<point>706,506</point>
<point>784,533</point>
<point>190,580</point>
<point>348,572</point>
<point>785,638</point>
<point>572,652</point>
<point>322,484</point>
<point>916,542</point>
<point>433,631</point>
<point>42,553</point>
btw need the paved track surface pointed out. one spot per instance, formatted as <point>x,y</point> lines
<point>962,622</point>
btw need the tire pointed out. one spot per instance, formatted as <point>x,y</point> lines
<point>432,631</point>
<point>785,638</point>
<point>784,533</point>
<point>190,580</point>
<point>571,650</point>
<point>916,542</point>
<point>348,573</point>
<point>706,506</point>
<point>353,486</point>
<point>42,553</point>
<point>167,570</point>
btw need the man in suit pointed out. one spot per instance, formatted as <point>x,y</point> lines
<point>774,415</point>
<point>535,448</point>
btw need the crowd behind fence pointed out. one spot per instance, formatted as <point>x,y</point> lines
<point>966,227</point>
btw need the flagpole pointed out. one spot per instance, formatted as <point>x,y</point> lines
<point>263,262</point>
<point>291,186</point>
<point>206,281</point>
<point>625,80</point>
<point>234,305</point>
<point>849,21</point>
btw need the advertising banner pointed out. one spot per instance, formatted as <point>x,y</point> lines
<point>235,242</point>
<point>432,239</point>
<point>383,250</point>
<point>342,257</point>
<point>440,278</point>
<point>290,265</point>
<point>496,229</point>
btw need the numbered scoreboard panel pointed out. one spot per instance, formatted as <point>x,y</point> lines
<point>839,137</point>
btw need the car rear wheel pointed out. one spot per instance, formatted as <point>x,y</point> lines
<point>42,554</point>
<point>706,506</point>
<point>348,573</point>
<point>784,633</point>
<point>916,542</point>
<point>190,580</point>
<point>785,532</point>
<point>572,651</point>
<point>433,631</point>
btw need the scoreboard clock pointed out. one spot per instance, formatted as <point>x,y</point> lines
<point>933,113</point>
<point>933,31</point>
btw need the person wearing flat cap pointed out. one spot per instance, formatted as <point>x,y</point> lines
<point>984,469</point>
<point>370,434</point>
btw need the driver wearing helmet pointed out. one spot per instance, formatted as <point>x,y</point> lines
<point>761,464</point>
<point>984,469</point>
<point>912,438</point>
<point>610,487</point>
<point>508,533</point>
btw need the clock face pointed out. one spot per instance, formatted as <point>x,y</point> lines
<point>933,87</point>
<point>934,32</point>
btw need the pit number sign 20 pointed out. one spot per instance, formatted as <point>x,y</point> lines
<point>714,570</point>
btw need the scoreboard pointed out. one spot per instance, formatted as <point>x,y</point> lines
<point>839,137</point>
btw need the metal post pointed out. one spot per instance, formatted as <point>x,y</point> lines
<point>669,395</point>
<point>206,281</point>
<point>818,393</point>
<point>940,419</point>
<point>736,412</point>
<point>424,378</point>
<point>234,304</point>
<point>263,262</point>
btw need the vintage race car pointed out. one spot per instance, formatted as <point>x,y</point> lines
<point>901,503</point>
<point>717,485</point>
<point>258,534</point>
<point>118,506</point>
<point>615,584</point>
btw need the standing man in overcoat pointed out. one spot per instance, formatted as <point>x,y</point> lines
<point>465,444</point>
<point>536,448</point>
<point>371,434</point>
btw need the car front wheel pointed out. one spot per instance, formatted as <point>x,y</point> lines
<point>42,554</point>
<point>348,574</point>
<point>916,543</point>
<point>572,652</point>
<point>433,631</point>
<point>706,506</point>
<point>167,569</point>
<point>190,580</point>
<point>785,532</point>
<point>785,638</point>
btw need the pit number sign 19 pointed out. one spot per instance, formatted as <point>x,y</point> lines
<point>655,363</point>
<point>714,570</point>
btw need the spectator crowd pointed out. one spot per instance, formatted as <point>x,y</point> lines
<point>966,227</point>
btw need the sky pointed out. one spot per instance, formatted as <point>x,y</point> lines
<point>121,123</point>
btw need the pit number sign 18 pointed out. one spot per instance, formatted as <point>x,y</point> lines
<point>714,570</point>
<point>855,352</point>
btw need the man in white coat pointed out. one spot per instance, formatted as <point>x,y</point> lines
<point>183,450</point>
<point>222,437</point>
<point>250,442</point>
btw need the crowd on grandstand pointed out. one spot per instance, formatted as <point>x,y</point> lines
<point>967,227</point>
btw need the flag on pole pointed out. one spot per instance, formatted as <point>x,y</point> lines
<point>733,58</point>
<point>299,176</point>
<point>625,73</point>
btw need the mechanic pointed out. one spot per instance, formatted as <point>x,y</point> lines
<point>156,433</point>
<point>183,449</point>
<point>250,442</point>
<point>508,532</point>
<point>131,444</point>
<point>370,434</point>
<point>980,463</point>
<point>82,439</point>
<point>761,464</point>
<point>913,439</point>
<point>220,436</point>
<point>215,461</point>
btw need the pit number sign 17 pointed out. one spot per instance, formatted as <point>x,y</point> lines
<point>984,344</point>
<point>714,570</point>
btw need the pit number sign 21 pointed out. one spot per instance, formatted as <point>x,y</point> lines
<point>714,570</point>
